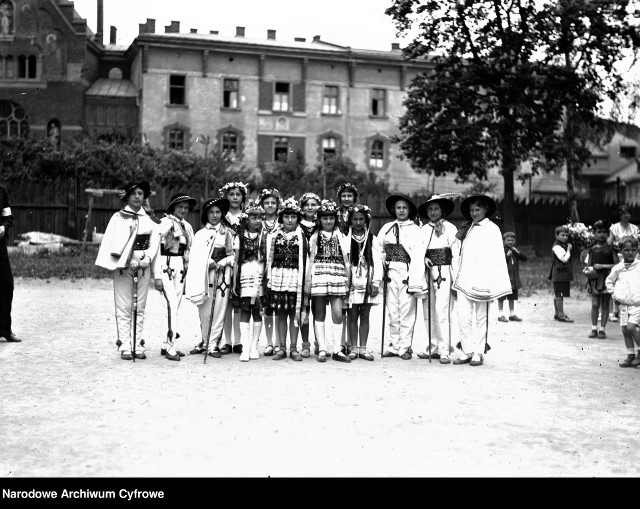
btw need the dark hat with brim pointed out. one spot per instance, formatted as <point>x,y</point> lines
<point>143,184</point>
<point>221,203</point>
<point>391,201</point>
<point>483,200</point>
<point>179,198</point>
<point>446,205</point>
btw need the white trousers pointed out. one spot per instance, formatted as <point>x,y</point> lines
<point>173,285</point>
<point>124,300</point>
<point>222,292</point>
<point>401,312</point>
<point>444,324</point>
<point>472,317</point>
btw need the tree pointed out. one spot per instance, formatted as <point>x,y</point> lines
<point>590,39</point>
<point>493,98</point>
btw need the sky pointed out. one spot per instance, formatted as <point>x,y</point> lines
<point>356,23</point>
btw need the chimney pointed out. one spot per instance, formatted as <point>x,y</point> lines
<point>316,38</point>
<point>395,45</point>
<point>100,27</point>
<point>300,39</point>
<point>147,28</point>
<point>193,30</point>
<point>239,31</point>
<point>271,34</point>
<point>214,32</point>
<point>112,35</point>
<point>173,28</point>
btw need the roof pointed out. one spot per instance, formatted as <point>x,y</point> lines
<point>105,87</point>
<point>628,173</point>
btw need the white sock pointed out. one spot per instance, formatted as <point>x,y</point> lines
<point>594,327</point>
<point>244,333</point>
<point>631,351</point>
<point>318,329</point>
<point>337,337</point>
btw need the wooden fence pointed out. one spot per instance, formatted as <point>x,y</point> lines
<point>61,208</point>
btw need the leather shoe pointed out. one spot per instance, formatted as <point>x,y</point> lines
<point>13,338</point>
<point>445,360</point>
<point>126,356</point>
<point>502,319</point>
<point>279,355</point>
<point>295,355</point>
<point>215,354</point>
<point>237,349</point>
<point>462,360</point>
<point>514,318</point>
<point>164,352</point>
<point>426,356</point>
<point>198,349</point>
<point>593,334</point>
<point>565,318</point>
<point>172,357</point>
<point>140,355</point>
<point>406,356</point>
<point>476,360</point>
<point>602,335</point>
<point>340,357</point>
<point>389,354</point>
<point>225,349</point>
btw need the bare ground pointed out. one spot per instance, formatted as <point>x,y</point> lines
<point>547,402</point>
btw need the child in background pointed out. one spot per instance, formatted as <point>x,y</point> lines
<point>514,256</point>
<point>624,286</point>
<point>600,259</point>
<point>561,273</point>
<point>248,272</point>
<point>270,201</point>
<point>617,231</point>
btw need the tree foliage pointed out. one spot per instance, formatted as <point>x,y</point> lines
<point>500,85</point>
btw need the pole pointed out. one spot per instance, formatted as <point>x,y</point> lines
<point>213,303</point>
<point>135,311</point>
<point>169,331</point>
<point>429,308</point>
<point>384,305</point>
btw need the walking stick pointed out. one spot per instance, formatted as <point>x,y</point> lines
<point>384,304</point>
<point>135,310</point>
<point>486,338</point>
<point>169,331</point>
<point>429,308</point>
<point>213,303</point>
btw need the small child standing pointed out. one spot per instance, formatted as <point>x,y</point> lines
<point>600,259</point>
<point>624,285</point>
<point>248,271</point>
<point>514,256</point>
<point>561,273</point>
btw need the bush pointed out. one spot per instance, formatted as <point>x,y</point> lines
<point>72,263</point>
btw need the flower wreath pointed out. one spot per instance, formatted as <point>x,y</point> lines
<point>244,188</point>
<point>253,207</point>
<point>363,209</point>
<point>327,207</point>
<point>290,204</point>
<point>347,186</point>
<point>309,196</point>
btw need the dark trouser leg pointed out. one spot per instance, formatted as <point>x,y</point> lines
<point>6,292</point>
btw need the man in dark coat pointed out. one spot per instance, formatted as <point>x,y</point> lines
<point>6,277</point>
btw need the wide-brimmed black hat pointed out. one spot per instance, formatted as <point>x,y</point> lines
<point>179,198</point>
<point>446,205</point>
<point>143,184</point>
<point>221,203</point>
<point>391,201</point>
<point>483,199</point>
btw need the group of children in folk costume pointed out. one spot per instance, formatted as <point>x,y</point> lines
<point>290,259</point>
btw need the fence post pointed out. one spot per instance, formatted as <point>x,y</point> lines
<point>72,207</point>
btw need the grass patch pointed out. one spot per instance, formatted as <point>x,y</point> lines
<point>534,273</point>
<point>73,263</point>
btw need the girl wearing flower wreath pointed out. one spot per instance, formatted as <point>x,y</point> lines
<point>310,203</point>
<point>287,257</point>
<point>248,273</point>
<point>208,283</point>
<point>236,193</point>
<point>366,274</point>
<point>270,201</point>
<point>328,278</point>
<point>347,197</point>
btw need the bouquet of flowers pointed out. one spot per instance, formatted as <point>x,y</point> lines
<point>580,236</point>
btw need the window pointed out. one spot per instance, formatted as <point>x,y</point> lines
<point>31,67</point>
<point>376,154</point>
<point>230,142</point>
<point>281,97</point>
<point>22,67</point>
<point>176,139</point>
<point>10,72</point>
<point>176,89</point>
<point>330,100</point>
<point>280,148</point>
<point>329,148</point>
<point>230,94</point>
<point>378,102</point>
<point>628,152</point>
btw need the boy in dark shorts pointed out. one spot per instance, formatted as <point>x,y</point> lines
<point>514,256</point>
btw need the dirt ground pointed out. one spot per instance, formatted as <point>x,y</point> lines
<point>547,402</point>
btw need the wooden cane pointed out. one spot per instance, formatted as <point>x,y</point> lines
<point>429,308</point>
<point>213,303</point>
<point>135,310</point>
<point>384,305</point>
<point>169,331</point>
